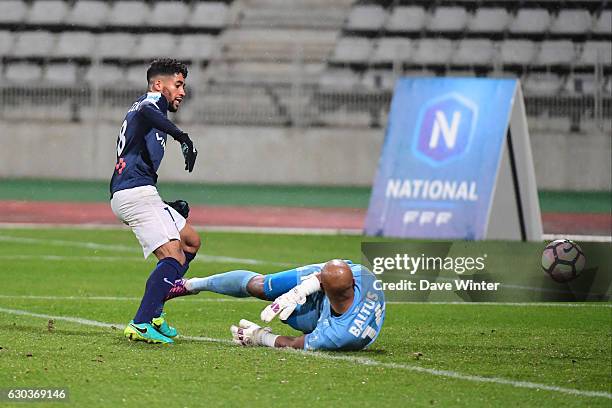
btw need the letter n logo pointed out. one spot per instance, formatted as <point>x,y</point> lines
<point>444,128</point>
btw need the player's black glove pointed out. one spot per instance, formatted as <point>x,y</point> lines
<point>189,151</point>
<point>181,207</point>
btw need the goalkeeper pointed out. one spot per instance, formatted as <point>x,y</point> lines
<point>334,304</point>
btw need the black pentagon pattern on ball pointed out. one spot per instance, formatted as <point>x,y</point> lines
<point>557,247</point>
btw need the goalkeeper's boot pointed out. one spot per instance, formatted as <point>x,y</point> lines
<point>145,332</point>
<point>162,326</point>
<point>178,290</point>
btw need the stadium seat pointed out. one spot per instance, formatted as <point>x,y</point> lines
<point>104,74</point>
<point>603,25</point>
<point>47,12</point>
<point>379,79</point>
<point>61,74</point>
<point>128,13</point>
<point>489,20</point>
<point>115,45</point>
<point>365,18</point>
<point>13,11</point>
<point>392,49</point>
<point>196,47</point>
<point>406,19</point>
<point>154,45</point>
<point>136,75</point>
<point>542,84</point>
<point>530,21</point>
<point>517,52</point>
<point>22,72</point>
<point>433,52</point>
<point>460,73</point>
<point>556,52</point>
<point>88,13</point>
<point>75,44</point>
<point>209,15</point>
<point>596,52</point>
<point>338,79</point>
<point>581,84</point>
<point>6,42</point>
<point>473,52</point>
<point>352,50</point>
<point>572,22</point>
<point>33,44</point>
<point>171,13</point>
<point>448,19</point>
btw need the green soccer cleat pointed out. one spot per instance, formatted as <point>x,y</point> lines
<point>145,332</point>
<point>163,327</point>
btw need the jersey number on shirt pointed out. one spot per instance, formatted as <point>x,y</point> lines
<point>121,139</point>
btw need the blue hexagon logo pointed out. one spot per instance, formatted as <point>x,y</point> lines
<point>445,128</point>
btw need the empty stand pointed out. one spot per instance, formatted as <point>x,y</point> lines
<point>34,44</point>
<point>448,19</point>
<point>392,49</point>
<point>128,13</point>
<point>407,19</point>
<point>13,11</point>
<point>530,21</point>
<point>366,18</point>
<point>88,13</point>
<point>209,15</point>
<point>170,13</point>
<point>489,20</point>
<point>47,12</point>
<point>74,44</point>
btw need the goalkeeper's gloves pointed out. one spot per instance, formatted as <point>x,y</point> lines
<point>250,334</point>
<point>189,151</point>
<point>181,207</point>
<point>285,304</point>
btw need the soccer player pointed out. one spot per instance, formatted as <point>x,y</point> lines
<point>160,229</point>
<point>334,304</point>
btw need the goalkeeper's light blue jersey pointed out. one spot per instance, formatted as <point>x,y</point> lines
<point>359,326</point>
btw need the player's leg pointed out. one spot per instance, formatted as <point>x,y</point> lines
<point>244,283</point>
<point>190,244</point>
<point>157,228</point>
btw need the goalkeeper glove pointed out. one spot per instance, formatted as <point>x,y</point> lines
<point>189,151</point>
<point>286,303</point>
<point>250,334</point>
<point>181,207</point>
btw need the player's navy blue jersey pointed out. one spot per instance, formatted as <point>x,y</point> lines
<point>141,142</point>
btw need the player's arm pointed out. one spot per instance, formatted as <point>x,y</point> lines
<point>251,334</point>
<point>158,120</point>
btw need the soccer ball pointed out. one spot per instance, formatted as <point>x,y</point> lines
<point>563,260</point>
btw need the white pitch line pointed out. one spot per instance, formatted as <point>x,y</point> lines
<point>243,300</point>
<point>579,238</point>
<point>349,359</point>
<point>128,249</point>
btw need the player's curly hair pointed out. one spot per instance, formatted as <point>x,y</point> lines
<point>166,66</point>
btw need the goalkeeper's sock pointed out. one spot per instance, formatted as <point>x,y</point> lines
<point>158,285</point>
<point>280,283</point>
<point>232,283</point>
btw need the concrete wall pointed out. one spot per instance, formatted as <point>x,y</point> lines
<point>272,155</point>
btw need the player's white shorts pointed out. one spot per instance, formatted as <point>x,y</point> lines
<point>153,221</point>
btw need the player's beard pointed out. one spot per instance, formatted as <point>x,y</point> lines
<point>172,107</point>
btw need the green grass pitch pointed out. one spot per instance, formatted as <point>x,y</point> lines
<point>427,355</point>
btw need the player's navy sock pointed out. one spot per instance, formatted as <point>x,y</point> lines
<point>232,283</point>
<point>279,283</point>
<point>158,285</point>
<point>188,258</point>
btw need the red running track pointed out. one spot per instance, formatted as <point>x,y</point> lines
<point>40,212</point>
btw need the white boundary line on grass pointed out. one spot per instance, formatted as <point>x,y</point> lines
<point>350,359</point>
<point>273,230</point>
<point>119,248</point>
<point>228,299</point>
